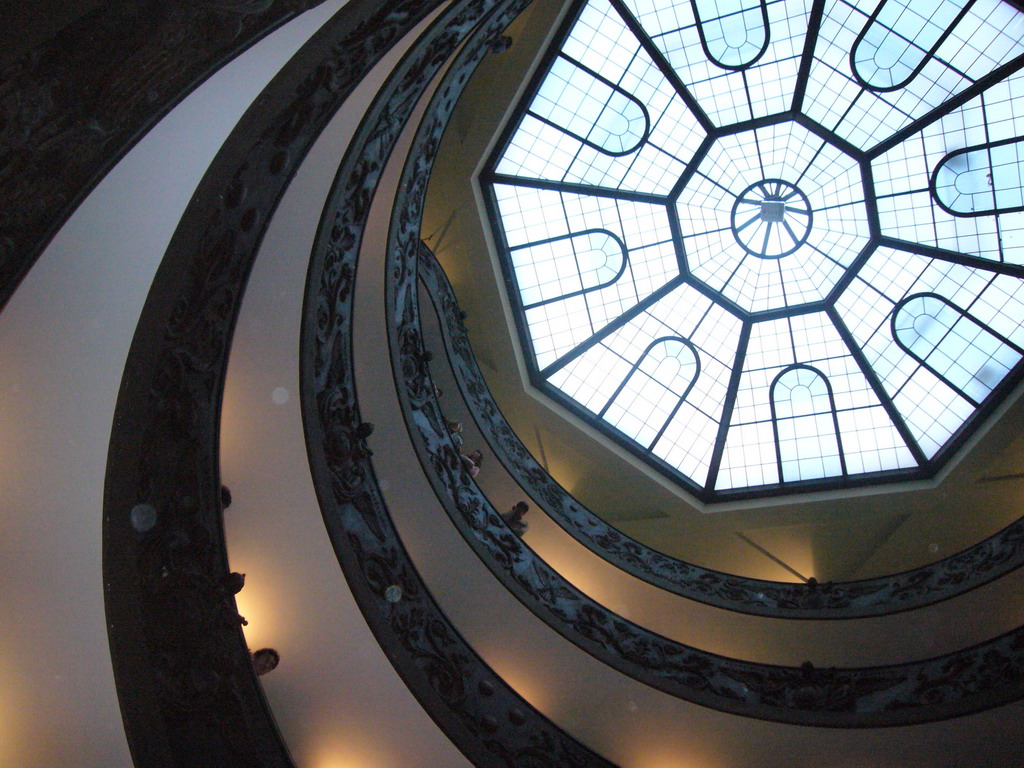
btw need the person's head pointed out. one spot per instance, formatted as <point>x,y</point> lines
<point>501,44</point>
<point>454,426</point>
<point>521,508</point>
<point>476,457</point>
<point>265,660</point>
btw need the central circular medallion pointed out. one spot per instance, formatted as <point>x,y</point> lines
<point>771,218</point>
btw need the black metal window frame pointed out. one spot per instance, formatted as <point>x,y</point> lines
<point>763,7</point>
<point>832,412</point>
<point>636,368</point>
<point>623,251</point>
<point>644,135</point>
<point>489,177</point>
<point>925,58</point>
<point>924,360</point>
<point>986,147</point>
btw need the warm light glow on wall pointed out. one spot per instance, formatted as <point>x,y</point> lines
<point>336,755</point>
<point>565,472</point>
<point>576,573</point>
<point>258,609</point>
<point>655,760</point>
<point>532,687</point>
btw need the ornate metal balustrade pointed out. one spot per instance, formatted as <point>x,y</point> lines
<point>975,566</point>
<point>488,720</point>
<point>980,677</point>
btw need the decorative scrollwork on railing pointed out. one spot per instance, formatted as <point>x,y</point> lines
<point>895,694</point>
<point>488,720</point>
<point>980,677</point>
<point>961,572</point>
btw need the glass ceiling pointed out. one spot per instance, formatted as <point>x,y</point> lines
<point>771,245</point>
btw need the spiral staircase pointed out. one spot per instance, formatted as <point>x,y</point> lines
<point>240,246</point>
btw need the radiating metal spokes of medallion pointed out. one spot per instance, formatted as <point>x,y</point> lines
<point>771,218</point>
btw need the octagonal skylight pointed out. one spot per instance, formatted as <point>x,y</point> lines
<point>772,245</point>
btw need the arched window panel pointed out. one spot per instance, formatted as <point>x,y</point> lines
<point>861,426</point>
<point>688,440</point>
<point>531,215</point>
<point>735,33</point>
<point>981,180</point>
<point>590,108</point>
<point>715,332</point>
<point>933,407</point>
<point>891,276</point>
<point>805,425</point>
<point>553,235</point>
<point>870,441</point>
<point>573,279</point>
<point>903,176</point>
<point>626,362</point>
<point>886,278</point>
<point>985,38</point>
<point>649,396</point>
<point>538,150</point>
<point>567,265</point>
<point>767,83</point>
<point>815,342</point>
<point>899,38</point>
<point>953,345</point>
<point>606,51</point>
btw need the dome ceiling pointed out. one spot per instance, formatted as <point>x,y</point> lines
<point>767,249</point>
